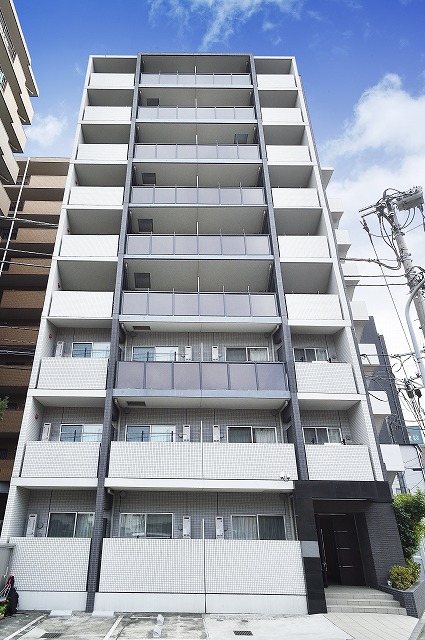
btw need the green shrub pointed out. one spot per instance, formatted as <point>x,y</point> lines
<point>409,510</point>
<point>3,607</point>
<point>403,577</point>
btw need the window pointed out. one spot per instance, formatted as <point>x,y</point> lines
<point>81,432</point>
<point>152,102</point>
<point>3,454</point>
<point>322,435</point>
<point>241,138</point>
<point>244,354</point>
<point>148,178</point>
<point>150,433</point>
<point>5,234</point>
<point>155,354</point>
<point>90,349</point>
<point>145,225</point>
<point>70,525</point>
<point>142,280</point>
<point>146,525</point>
<point>258,527</point>
<point>312,354</point>
<point>251,434</point>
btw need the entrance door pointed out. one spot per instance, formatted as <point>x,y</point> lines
<point>340,549</point>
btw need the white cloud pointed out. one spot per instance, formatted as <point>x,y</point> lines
<point>46,129</point>
<point>381,147</point>
<point>220,17</point>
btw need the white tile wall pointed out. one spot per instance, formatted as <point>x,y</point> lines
<point>97,196</point>
<point>287,153</point>
<point>244,461</point>
<point>121,114</point>
<point>155,460</point>
<point>60,460</point>
<point>112,80</point>
<point>313,306</point>
<point>289,198</point>
<point>72,373</point>
<point>268,81</point>
<point>108,152</point>
<point>303,247</point>
<point>281,115</point>
<point>325,377</point>
<point>89,246</point>
<point>339,462</point>
<point>81,304</point>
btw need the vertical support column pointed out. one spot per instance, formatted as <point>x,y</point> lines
<point>99,529</point>
<point>286,333</point>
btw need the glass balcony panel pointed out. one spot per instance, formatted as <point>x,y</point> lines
<point>228,151</point>
<point>230,196</point>
<point>209,245</point>
<point>248,152</point>
<point>240,79</point>
<point>242,376</point>
<point>214,375</point>
<point>135,303</point>
<point>165,195</point>
<point>225,113</point>
<point>206,113</point>
<point>252,196</point>
<point>143,195</point>
<point>166,113</point>
<point>161,304</point>
<point>159,375</point>
<point>271,377</point>
<point>243,113</point>
<point>233,245</point>
<point>222,79</point>
<point>187,375</point>
<point>167,78</point>
<point>139,244</point>
<point>185,79</point>
<point>186,195</point>
<point>207,152</point>
<point>145,151</point>
<point>166,151</point>
<point>186,151</point>
<point>186,304</point>
<point>211,304</point>
<point>186,113</point>
<point>208,195</point>
<point>257,245</point>
<point>186,245</point>
<point>149,78</point>
<point>263,305</point>
<point>237,306</point>
<point>162,245</point>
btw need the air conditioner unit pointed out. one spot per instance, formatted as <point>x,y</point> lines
<point>31,525</point>
<point>219,528</point>
<point>59,349</point>
<point>186,527</point>
<point>186,433</point>
<point>214,353</point>
<point>216,433</point>
<point>45,432</point>
<point>188,354</point>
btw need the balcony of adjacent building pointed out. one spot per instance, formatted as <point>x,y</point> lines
<point>27,304</point>
<point>25,270</point>
<point>39,187</point>
<point>28,239</point>
<point>12,417</point>
<point>8,164</point>
<point>15,372</point>
<point>380,407</point>
<point>4,201</point>
<point>9,115</point>
<point>201,384</point>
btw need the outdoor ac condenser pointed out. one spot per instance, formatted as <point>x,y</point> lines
<point>31,525</point>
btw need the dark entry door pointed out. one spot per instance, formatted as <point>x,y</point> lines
<point>340,549</point>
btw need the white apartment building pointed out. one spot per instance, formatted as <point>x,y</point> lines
<point>197,434</point>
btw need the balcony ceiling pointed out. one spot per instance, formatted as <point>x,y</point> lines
<point>197,96</point>
<point>216,174</point>
<point>100,133</point>
<point>110,97</point>
<point>306,277</point>
<point>290,176</point>
<point>247,220</point>
<point>291,134</point>
<point>85,222</point>
<point>297,222</point>
<point>192,133</point>
<point>172,63</point>
<point>100,175</point>
<point>87,275</point>
<point>214,275</point>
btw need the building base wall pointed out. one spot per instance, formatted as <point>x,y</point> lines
<point>48,600</point>
<point>201,603</point>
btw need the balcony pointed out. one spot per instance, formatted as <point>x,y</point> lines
<point>369,357</point>
<point>219,311</point>
<point>285,198</point>
<point>16,379</point>
<point>202,384</point>
<point>72,373</point>
<point>303,247</point>
<point>102,152</point>
<point>97,196</point>
<point>343,242</point>
<point>285,153</point>
<point>81,308</point>
<point>200,114</point>
<point>60,464</point>
<point>275,81</point>
<point>326,384</point>
<point>287,115</point>
<point>198,245</point>
<point>111,81</point>
<point>25,237</point>
<point>196,152</point>
<point>197,465</point>
<point>204,196</point>
<point>336,210</point>
<point>4,201</point>
<point>11,422</point>
<point>8,164</point>
<point>217,570</point>
<point>360,316</point>
<point>28,304</point>
<point>47,208</point>
<point>6,468</point>
<point>195,79</point>
<point>380,407</point>
<point>99,246</point>
<point>321,310</point>
<point>338,462</point>
<point>107,114</point>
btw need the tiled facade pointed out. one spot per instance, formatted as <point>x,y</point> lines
<point>196,331</point>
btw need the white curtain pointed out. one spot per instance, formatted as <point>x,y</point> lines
<point>159,525</point>
<point>264,435</point>
<point>244,527</point>
<point>258,354</point>
<point>132,525</point>
<point>84,525</point>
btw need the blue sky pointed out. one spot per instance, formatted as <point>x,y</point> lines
<point>362,64</point>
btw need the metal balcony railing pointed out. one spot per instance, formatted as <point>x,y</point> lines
<point>205,79</point>
<point>196,152</point>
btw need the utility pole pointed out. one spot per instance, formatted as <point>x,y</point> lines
<point>386,209</point>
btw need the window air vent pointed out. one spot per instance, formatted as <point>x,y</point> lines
<point>135,404</point>
<point>142,280</point>
<point>138,327</point>
<point>152,102</point>
<point>243,633</point>
<point>145,225</point>
<point>51,634</point>
<point>149,178</point>
<point>241,138</point>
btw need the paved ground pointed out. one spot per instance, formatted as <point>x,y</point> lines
<point>333,626</point>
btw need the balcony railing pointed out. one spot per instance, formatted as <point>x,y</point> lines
<point>303,247</point>
<point>339,462</point>
<point>196,79</point>
<point>197,245</point>
<point>112,114</point>
<point>194,113</point>
<point>72,373</point>
<point>205,376</point>
<point>317,306</point>
<point>60,460</point>
<point>196,152</point>
<point>81,304</point>
<point>225,305</point>
<point>325,377</point>
<point>231,196</point>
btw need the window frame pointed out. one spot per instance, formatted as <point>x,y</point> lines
<point>76,513</point>
<point>252,428</point>
<point>315,354</point>
<point>93,349</point>
<point>83,426</point>
<point>247,348</point>
<point>146,514</point>
<point>154,348</point>
<point>327,433</point>
<point>172,426</point>
<point>256,516</point>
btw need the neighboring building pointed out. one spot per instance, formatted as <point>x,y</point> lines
<point>27,239</point>
<point>17,86</point>
<point>197,374</point>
